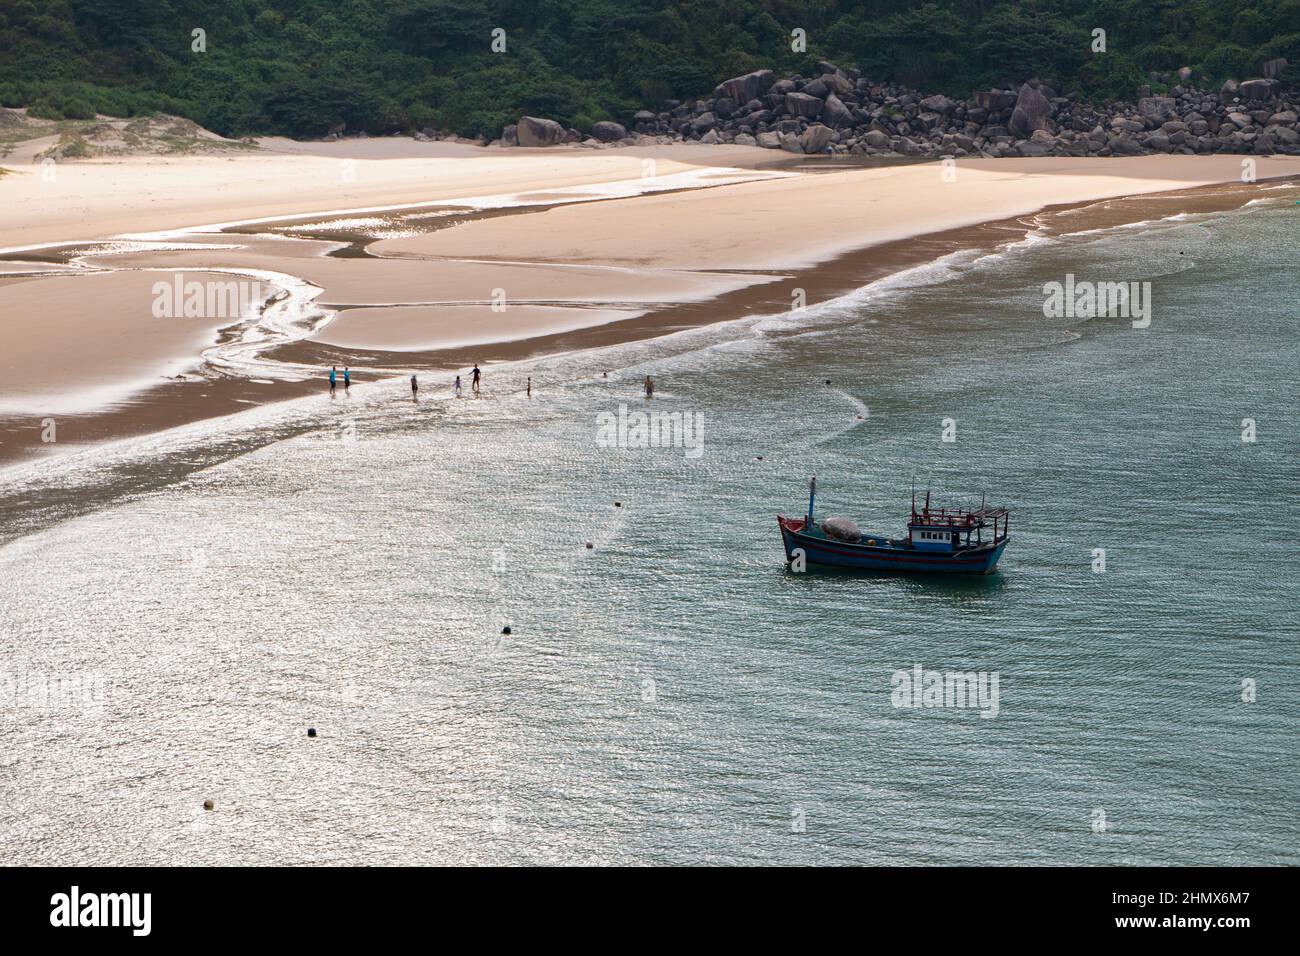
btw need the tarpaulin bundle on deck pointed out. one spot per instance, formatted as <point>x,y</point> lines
<point>841,529</point>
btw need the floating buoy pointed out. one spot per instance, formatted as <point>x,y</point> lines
<point>209,805</point>
<point>759,458</point>
<point>828,381</point>
<point>506,629</point>
<point>590,545</point>
<point>618,504</point>
<point>311,731</point>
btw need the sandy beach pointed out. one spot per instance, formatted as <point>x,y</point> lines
<point>391,256</point>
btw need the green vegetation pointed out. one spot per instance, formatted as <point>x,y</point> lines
<point>72,146</point>
<point>305,67</point>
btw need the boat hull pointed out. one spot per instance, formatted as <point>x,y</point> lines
<point>828,552</point>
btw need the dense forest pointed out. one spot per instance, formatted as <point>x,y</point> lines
<point>303,67</point>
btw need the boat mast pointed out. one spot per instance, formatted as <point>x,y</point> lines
<point>812,496</point>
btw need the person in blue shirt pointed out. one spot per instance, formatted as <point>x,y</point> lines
<point>334,371</point>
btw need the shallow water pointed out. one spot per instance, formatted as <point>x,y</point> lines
<point>177,611</point>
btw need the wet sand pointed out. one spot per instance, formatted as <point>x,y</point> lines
<point>72,341</point>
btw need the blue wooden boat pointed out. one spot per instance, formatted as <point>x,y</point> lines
<point>939,540</point>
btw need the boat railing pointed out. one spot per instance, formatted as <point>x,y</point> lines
<point>954,516</point>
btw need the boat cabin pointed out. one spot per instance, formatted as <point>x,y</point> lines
<point>953,529</point>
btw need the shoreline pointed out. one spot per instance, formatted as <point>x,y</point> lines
<point>174,403</point>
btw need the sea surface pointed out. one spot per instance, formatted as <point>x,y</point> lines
<point>177,611</point>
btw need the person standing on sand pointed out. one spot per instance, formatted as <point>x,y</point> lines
<point>477,374</point>
<point>347,381</point>
<point>334,374</point>
<point>649,387</point>
<point>458,386</point>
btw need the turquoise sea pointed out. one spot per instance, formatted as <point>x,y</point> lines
<point>176,611</point>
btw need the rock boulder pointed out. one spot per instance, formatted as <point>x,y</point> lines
<point>1031,112</point>
<point>801,104</point>
<point>835,113</point>
<point>816,138</point>
<point>742,89</point>
<point>995,100</point>
<point>1257,89</point>
<point>608,132</point>
<point>1157,109</point>
<point>533,131</point>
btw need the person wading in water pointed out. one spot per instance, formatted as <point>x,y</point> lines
<point>334,374</point>
<point>477,374</point>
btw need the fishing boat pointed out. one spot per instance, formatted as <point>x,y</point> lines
<point>939,540</point>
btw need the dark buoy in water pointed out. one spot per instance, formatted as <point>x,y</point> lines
<point>618,504</point>
<point>828,381</point>
<point>590,545</point>
<point>758,458</point>
<point>311,731</point>
<point>209,805</point>
<point>506,629</point>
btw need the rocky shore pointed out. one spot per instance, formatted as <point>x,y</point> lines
<point>840,112</point>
